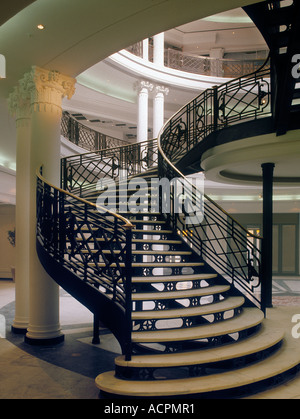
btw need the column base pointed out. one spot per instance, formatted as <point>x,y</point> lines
<point>18,330</point>
<point>44,342</point>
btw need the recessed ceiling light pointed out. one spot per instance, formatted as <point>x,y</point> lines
<point>40,26</point>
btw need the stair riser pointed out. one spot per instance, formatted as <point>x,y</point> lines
<point>194,370</point>
<point>196,344</point>
<point>184,322</point>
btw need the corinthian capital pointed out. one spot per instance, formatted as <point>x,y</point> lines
<point>161,90</point>
<point>42,89</point>
<point>48,88</point>
<point>143,85</point>
<point>19,102</point>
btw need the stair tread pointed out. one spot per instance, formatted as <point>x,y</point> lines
<point>134,230</point>
<point>229,303</point>
<point>144,241</point>
<point>148,221</point>
<point>148,264</point>
<point>144,213</point>
<point>152,232</point>
<point>250,317</point>
<point>162,242</point>
<point>168,278</point>
<point>140,252</point>
<point>180,294</point>
<point>162,252</point>
<point>279,362</point>
<point>265,338</point>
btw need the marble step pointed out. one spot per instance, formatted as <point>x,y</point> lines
<point>180,294</point>
<point>281,361</point>
<point>230,303</point>
<point>249,318</point>
<point>265,338</point>
<point>167,278</point>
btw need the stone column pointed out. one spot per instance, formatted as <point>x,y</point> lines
<point>158,109</point>
<point>143,88</point>
<point>216,66</point>
<point>159,49</point>
<point>19,105</point>
<point>47,89</point>
<point>146,49</point>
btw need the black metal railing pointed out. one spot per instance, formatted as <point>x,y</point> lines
<point>218,238</point>
<point>93,245</point>
<point>80,173</point>
<point>245,98</point>
<point>85,137</point>
<point>213,233</point>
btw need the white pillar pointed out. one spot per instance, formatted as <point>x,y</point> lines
<point>158,109</point>
<point>19,104</point>
<point>216,55</point>
<point>143,88</point>
<point>159,49</point>
<point>47,88</point>
<point>146,49</point>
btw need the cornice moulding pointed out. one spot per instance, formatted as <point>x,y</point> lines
<point>159,74</point>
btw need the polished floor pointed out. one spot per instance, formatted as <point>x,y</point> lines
<point>68,370</point>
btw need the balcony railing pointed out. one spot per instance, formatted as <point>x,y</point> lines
<point>202,65</point>
<point>85,137</point>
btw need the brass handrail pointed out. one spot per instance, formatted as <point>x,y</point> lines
<point>127,223</point>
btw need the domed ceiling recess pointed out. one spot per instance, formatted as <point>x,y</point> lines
<point>231,33</point>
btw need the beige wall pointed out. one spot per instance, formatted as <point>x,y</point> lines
<point>7,252</point>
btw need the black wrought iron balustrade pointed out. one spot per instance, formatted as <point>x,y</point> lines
<point>80,173</point>
<point>86,137</point>
<point>225,105</point>
<point>93,245</point>
<point>217,237</point>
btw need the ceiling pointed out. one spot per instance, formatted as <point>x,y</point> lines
<point>79,34</point>
<point>10,8</point>
<point>105,99</point>
<point>231,30</point>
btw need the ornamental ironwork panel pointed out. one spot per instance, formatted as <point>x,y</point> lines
<point>220,240</point>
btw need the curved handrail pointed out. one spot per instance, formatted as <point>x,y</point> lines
<point>238,254</point>
<point>86,137</point>
<point>223,86</point>
<point>93,246</point>
<point>81,172</point>
<point>216,235</point>
<point>127,223</point>
<point>96,246</point>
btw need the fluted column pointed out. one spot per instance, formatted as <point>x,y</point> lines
<point>19,105</point>
<point>159,108</point>
<point>143,88</point>
<point>46,89</point>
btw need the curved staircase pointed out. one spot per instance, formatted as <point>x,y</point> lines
<point>184,295</point>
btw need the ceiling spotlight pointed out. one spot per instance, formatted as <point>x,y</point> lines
<point>40,26</point>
